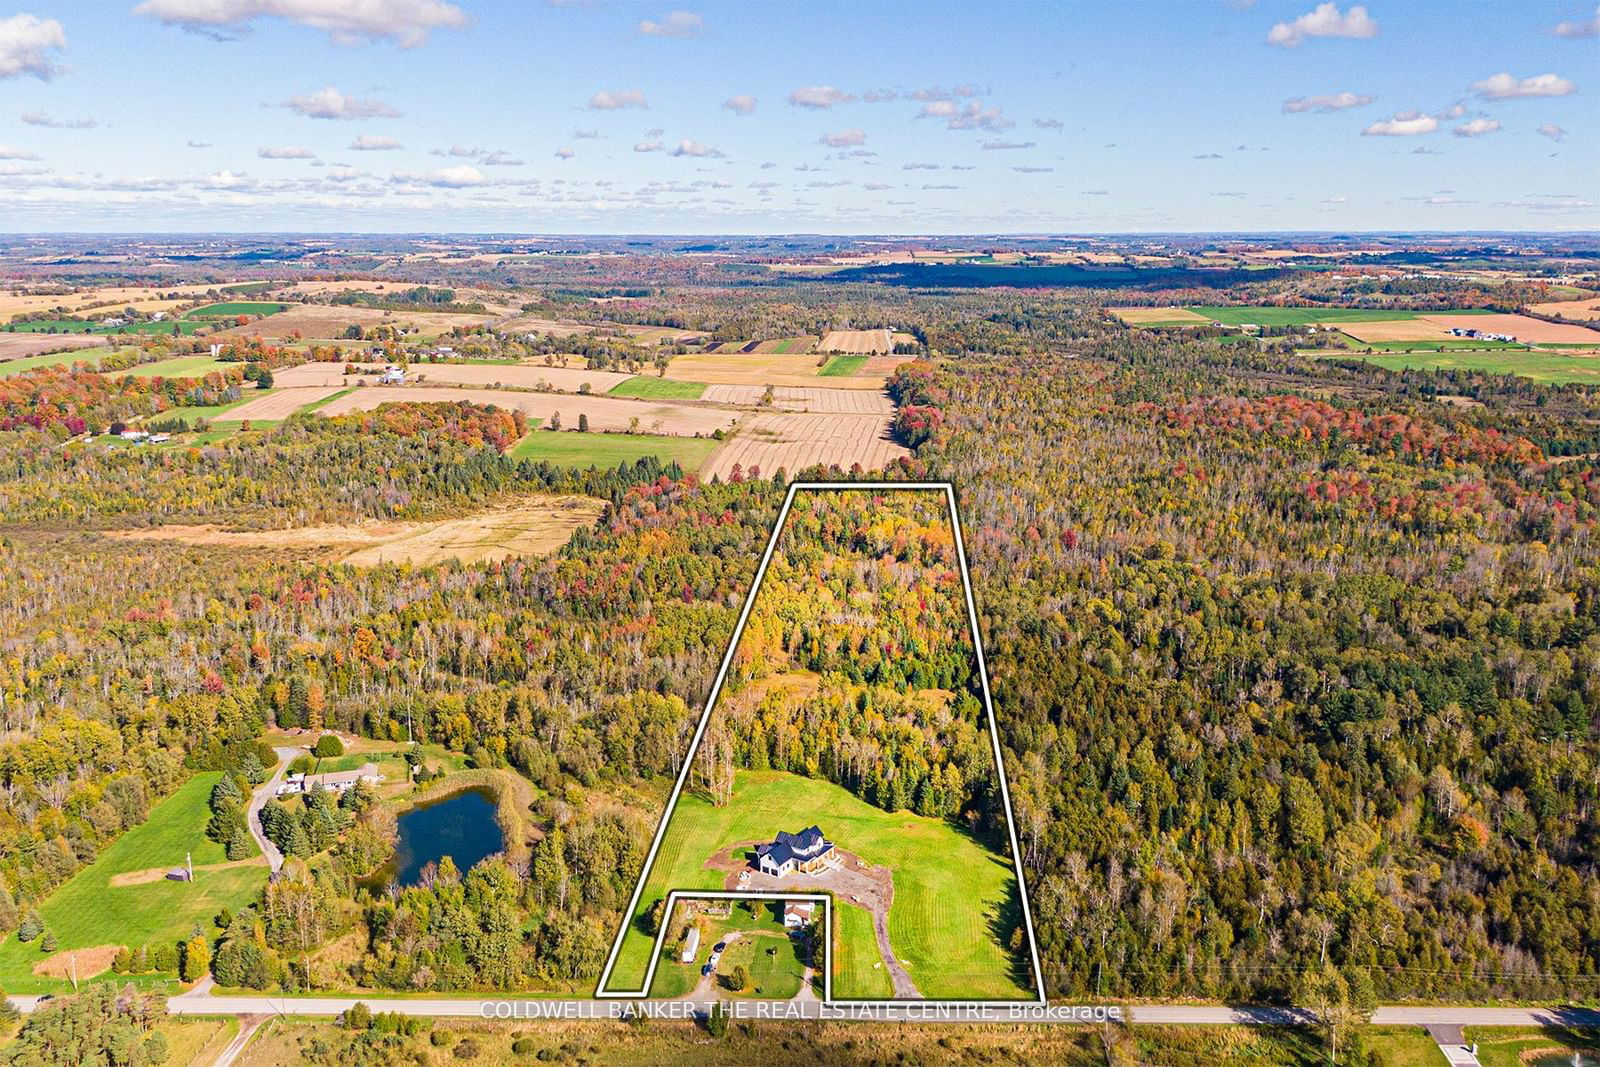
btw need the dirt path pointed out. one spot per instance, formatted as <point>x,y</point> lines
<point>848,877</point>
<point>248,1025</point>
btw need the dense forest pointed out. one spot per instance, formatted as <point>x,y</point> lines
<point>1294,666</point>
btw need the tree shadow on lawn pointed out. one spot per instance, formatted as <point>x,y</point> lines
<point>1005,924</point>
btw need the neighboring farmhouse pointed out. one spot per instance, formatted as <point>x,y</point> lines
<point>798,913</point>
<point>806,852</point>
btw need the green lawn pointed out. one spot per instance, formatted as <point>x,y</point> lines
<point>1276,316</point>
<point>90,356</point>
<point>774,974</point>
<point>88,911</point>
<point>1552,367</point>
<point>207,411</point>
<point>843,366</point>
<point>609,449</point>
<point>949,888</point>
<point>658,389</point>
<point>1438,346</point>
<point>84,326</point>
<point>236,307</point>
<point>1405,1046</point>
<point>1516,1046</point>
<point>858,970</point>
<point>178,367</point>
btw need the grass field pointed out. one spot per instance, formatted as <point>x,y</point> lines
<point>763,947</point>
<point>610,449</point>
<point>857,967</point>
<point>73,326</point>
<point>1276,316</point>
<point>1438,346</point>
<point>948,888</point>
<point>88,911</point>
<point>1516,1046</point>
<point>843,366</point>
<point>230,308</point>
<point>1552,367</point>
<point>178,367</point>
<point>659,389</point>
<point>54,359</point>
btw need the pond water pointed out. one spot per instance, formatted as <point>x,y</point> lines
<point>460,826</point>
<point>1566,1059</point>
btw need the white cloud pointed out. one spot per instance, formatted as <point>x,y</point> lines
<point>844,138</point>
<point>1034,170</point>
<point>696,150</point>
<point>405,22</point>
<point>999,146</point>
<point>1405,124</point>
<point>977,117</point>
<point>564,153</point>
<point>25,41</point>
<point>648,146</point>
<point>1587,28</point>
<point>330,103</point>
<point>291,152</point>
<point>8,152</point>
<point>818,97</point>
<point>1505,87</point>
<point>606,100</point>
<point>1048,124</point>
<point>586,135</point>
<point>461,177</point>
<point>368,143</point>
<point>742,104</point>
<point>1325,20</point>
<point>673,24</point>
<point>1336,200</point>
<point>921,166</point>
<point>50,122</point>
<point>1327,102</point>
<point>877,187</point>
<point>197,144</point>
<point>1552,131</point>
<point>1476,128</point>
<point>939,109</point>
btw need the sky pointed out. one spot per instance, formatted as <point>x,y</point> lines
<point>747,117</point>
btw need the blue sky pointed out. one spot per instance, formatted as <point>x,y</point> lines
<point>749,117</point>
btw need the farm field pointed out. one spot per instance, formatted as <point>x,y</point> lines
<point>740,368</point>
<point>794,398</point>
<point>1584,308</point>
<point>843,366</point>
<point>644,335</point>
<point>857,342</point>
<point>91,911</point>
<point>1523,328</point>
<point>278,404</point>
<point>533,527</point>
<point>324,322</point>
<point>610,449</point>
<point>516,376</point>
<point>177,367</point>
<point>140,298</point>
<point>14,346</point>
<point>1294,316</point>
<point>1150,316</point>
<point>652,388</point>
<point>229,308</point>
<point>54,359</point>
<point>1552,367</point>
<point>793,441</point>
<point>948,887</point>
<point>605,413</point>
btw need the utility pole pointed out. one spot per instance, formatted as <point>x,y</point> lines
<point>188,861</point>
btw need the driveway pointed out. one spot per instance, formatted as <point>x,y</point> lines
<point>258,800</point>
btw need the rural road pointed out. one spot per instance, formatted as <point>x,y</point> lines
<point>258,800</point>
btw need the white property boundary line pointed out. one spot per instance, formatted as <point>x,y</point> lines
<point>705,717</point>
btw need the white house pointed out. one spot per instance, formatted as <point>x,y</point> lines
<point>392,375</point>
<point>691,945</point>
<point>798,912</point>
<point>806,852</point>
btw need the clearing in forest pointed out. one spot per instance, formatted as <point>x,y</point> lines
<point>848,749</point>
<point>533,527</point>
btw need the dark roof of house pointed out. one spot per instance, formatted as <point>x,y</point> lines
<point>807,844</point>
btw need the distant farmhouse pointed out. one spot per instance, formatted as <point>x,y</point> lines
<point>806,852</point>
<point>334,781</point>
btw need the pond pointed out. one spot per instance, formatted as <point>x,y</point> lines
<point>1565,1059</point>
<point>460,826</point>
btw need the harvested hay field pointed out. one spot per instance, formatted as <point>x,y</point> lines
<point>792,398</point>
<point>79,962</point>
<point>643,335</point>
<point>1523,328</point>
<point>883,366</point>
<point>737,368</point>
<point>793,441</point>
<point>1396,330</point>
<point>857,342</point>
<point>20,345</point>
<point>280,403</point>
<point>535,527</point>
<point>140,298</point>
<point>1587,308</point>
<point>605,413</point>
<point>788,346</point>
<point>489,375</point>
<point>1159,317</point>
<point>329,323</point>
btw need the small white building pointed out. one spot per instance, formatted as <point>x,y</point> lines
<point>691,945</point>
<point>392,375</point>
<point>798,912</point>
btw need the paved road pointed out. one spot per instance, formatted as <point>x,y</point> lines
<point>258,800</point>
